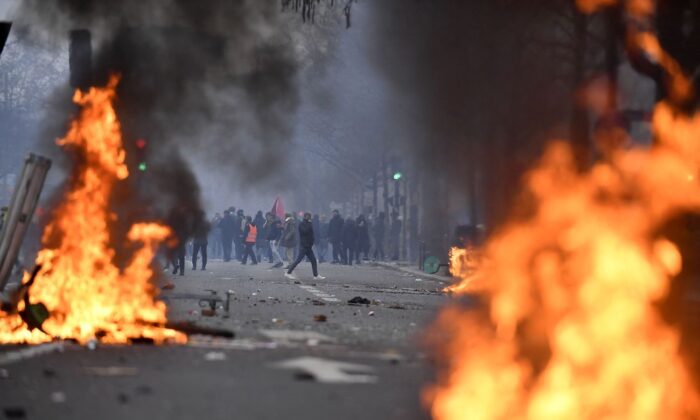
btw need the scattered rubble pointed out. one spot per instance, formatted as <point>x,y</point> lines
<point>396,306</point>
<point>370,313</point>
<point>359,300</point>
<point>168,286</point>
<point>320,318</point>
<point>15,412</point>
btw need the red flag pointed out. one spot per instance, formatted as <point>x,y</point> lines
<point>278,208</point>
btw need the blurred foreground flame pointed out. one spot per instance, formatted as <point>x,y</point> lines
<point>569,327</point>
<point>86,294</point>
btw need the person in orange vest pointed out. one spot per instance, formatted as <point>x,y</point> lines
<point>250,235</point>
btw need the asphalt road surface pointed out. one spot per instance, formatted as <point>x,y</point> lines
<point>364,362</point>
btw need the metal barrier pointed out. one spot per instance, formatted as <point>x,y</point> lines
<point>20,212</point>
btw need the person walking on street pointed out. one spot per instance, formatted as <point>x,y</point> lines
<point>228,228</point>
<point>289,238</point>
<point>378,233</point>
<point>306,243</point>
<point>250,233</point>
<point>200,242</point>
<point>349,241</point>
<point>335,235</point>
<point>274,234</point>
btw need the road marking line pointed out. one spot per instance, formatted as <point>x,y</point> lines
<point>330,371</point>
<point>19,355</point>
<point>319,294</point>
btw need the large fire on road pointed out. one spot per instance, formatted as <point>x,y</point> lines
<point>87,295</point>
<point>569,327</point>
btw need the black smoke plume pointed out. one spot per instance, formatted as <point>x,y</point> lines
<point>206,76</point>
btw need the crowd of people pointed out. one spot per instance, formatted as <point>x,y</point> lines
<point>286,241</point>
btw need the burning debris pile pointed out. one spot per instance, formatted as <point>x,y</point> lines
<point>87,296</point>
<point>569,327</point>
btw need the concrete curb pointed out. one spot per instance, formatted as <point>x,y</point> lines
<point>415,271</point>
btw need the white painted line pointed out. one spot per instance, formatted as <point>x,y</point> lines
<point>29,352</point>
<point>319,294</point>
<point>296,335</point>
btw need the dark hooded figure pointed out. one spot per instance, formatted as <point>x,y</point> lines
<point>180,221</point>
<point>228,228</point>
<point>200,242</point>
<point>306,243</point>
<point>349,241</point>
<point>335,236</point>
<point>362,238</point>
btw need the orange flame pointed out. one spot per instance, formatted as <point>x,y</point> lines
<point>87,295</point>
<point>569,329</point>
<point>464,264</point>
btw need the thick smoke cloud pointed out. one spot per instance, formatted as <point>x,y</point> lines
<point>211,77</point>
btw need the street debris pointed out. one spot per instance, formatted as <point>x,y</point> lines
<point>111,371</point>
<point>304,376</point>
<point>215,356</point>
<point>58,397</point>
<point>370,313</point>
<point>91,345</point>
<point>320,318</point>
<point>208,312</point>
<point>359,300</point>
<point>15,413</point>
<point>396,306</point>
<point>316,302</point>
<point>168,286</point>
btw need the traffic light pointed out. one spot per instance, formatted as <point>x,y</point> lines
<point>141,154</point>
<point>397,176</point>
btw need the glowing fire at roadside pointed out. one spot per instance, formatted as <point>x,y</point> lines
<point>464,264</point>
<point>86,294</point>
<point>568,328</point>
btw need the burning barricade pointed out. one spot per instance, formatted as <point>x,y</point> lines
<point>77,291</point>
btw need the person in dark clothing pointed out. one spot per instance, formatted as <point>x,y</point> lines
<point>349,241</point>
<point>250,232</point>
<point>274,234</point>
<point>362,238</point>
<point>306,243</point>
<point>378,231</point>
<point>200,243</point>
<point>238,237</point>
<point>180,221</point>
<point>215,237</point>
<point>395,235</point>
<point>227,226</point>
<point>335,235</point>
<point>261,240</point>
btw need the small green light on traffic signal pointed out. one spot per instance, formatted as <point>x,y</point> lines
<point>142,166</point>
<point>397,176</point>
